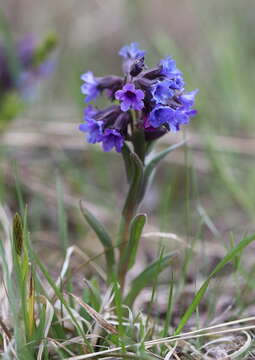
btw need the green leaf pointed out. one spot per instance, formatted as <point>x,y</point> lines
<point>154,162</point>
<point>102,236</point>
<point>135,186</point>
<point>136,228</point>
<point>231,255</point>
<point>147,276</point>
<point>44,49</point>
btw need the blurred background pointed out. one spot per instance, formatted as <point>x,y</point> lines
<point>203,195</point>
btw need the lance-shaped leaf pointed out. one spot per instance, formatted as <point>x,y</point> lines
<point>102,236</point>
<point>126,152</point>
<point>146,277</point>
<point>135,186</point>
<point>155,161</point>
<point>129,256</point>
<point>231,255</point>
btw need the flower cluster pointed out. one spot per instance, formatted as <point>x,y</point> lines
<point>151,101</point>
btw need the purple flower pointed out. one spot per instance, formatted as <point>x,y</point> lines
<point>188,99</point>
<point>112,138</point>
<point>161,91</point>
<point>169,68</point>
<point>90,88</point>
<point>166,115</point>
<point>92,127</point>
<point>90,111</point>
<point>131,51</point>
<point>177,83</point>
<point>130,97</point>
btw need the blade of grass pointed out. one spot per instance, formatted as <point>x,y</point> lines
<point>147,276</point>
<point>199,295</point>
<point>62,221</point>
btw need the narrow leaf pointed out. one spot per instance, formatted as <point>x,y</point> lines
<point>136,229</point>
<point>199,295</point>
<point>31,305</point>
<point>147,276</point>
<point>101,234</point>
<point>49,314</point>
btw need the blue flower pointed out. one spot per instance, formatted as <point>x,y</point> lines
<point>90,88</point>
<point>161,91</point>
<point>188,99</point>
<point>177,83</point>
<point>130,97</point>
<point>162,114</point>
<point>93,128</point>
<point>157,95</point>
<point>112,138</point>
<point>131,51</point>
<point>169,68</point>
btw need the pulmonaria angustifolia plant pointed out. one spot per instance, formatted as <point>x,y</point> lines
<point>146,103</point>
<point>22,65</point>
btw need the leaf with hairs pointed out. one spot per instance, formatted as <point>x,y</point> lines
<point>136,228</point>
<point>102,236</point>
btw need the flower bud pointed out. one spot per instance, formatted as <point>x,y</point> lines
<point>17,230</point>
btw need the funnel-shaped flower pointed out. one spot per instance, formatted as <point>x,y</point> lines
<point>90,88</point>
<point>131,51</point>
<point>112,138</point>
<point>169,68</point>
<point>130,97</point>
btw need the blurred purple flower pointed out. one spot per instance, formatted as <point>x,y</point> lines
<point>90,88</point>
<point>130,97</point>
<point>26,74</point>
<point>188,99</point>
<point>131,51</point>
<point>93,128</point>
<point>169,68</point>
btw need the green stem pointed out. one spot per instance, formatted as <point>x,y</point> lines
<point>123,241</point>
<point>134,165</point>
